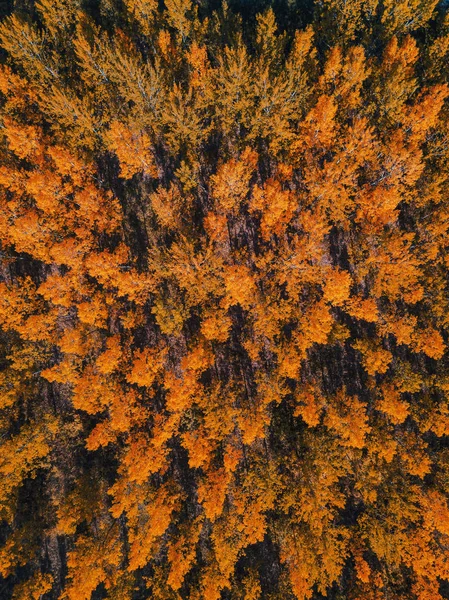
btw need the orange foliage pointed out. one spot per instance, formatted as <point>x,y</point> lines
<point>346,416</point>
<point>231,183</point>
<point>223,300</point>
<point>146,365</point>
<point>132,149</point>
<point>275,205</point>
<point>392,405</point>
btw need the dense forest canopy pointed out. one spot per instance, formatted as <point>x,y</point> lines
<point>224,302</point>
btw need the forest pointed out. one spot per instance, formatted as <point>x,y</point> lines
<point>224,300</point>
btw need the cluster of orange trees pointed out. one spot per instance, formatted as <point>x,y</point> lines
<point>224,301</point>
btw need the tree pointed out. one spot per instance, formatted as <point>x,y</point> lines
<point>223,300</point>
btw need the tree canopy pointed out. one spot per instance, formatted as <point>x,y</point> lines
<point>224,300</point>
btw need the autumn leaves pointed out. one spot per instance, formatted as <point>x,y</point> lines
<point>224,303</point>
